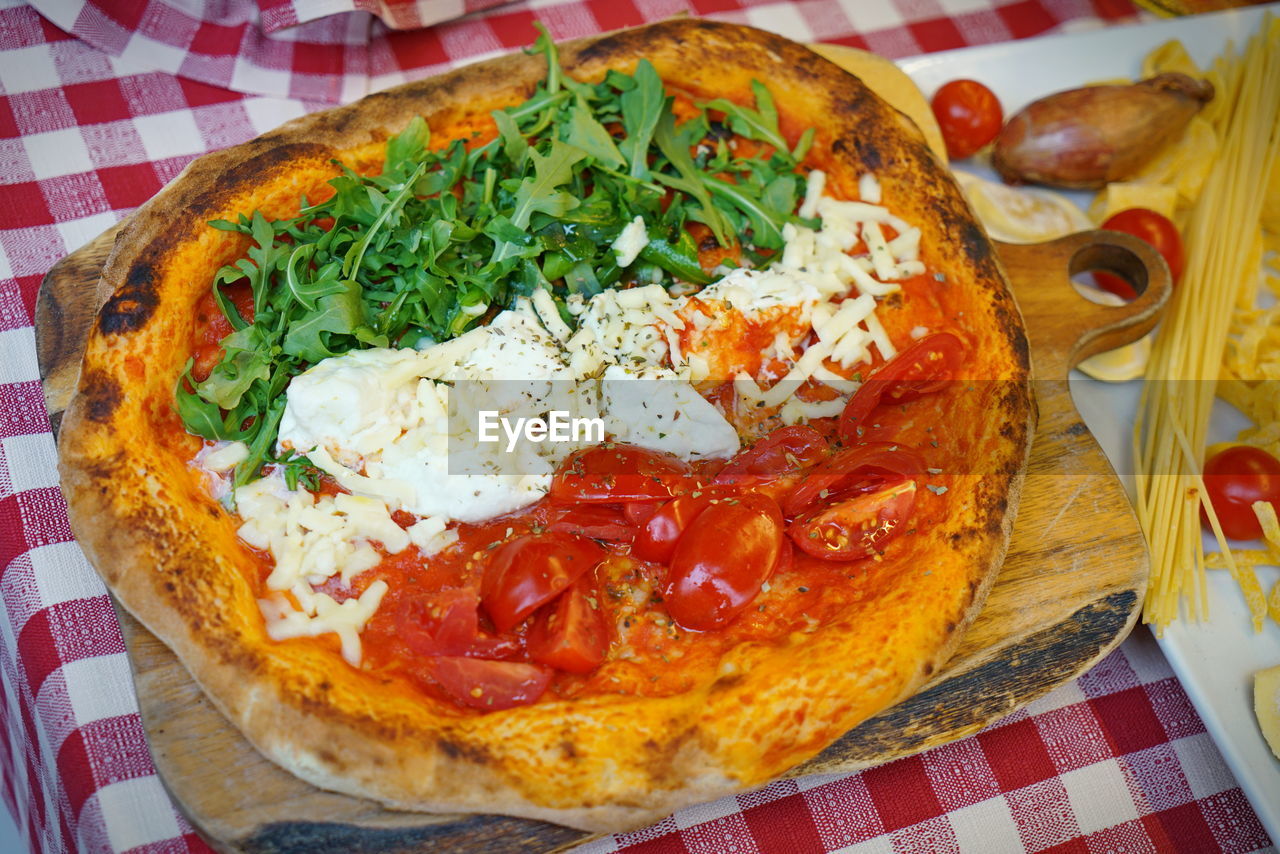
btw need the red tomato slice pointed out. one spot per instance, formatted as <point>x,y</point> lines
<point>855,527</point>
<point>532,570</point>
<point>724,557</point>
<point>860,467</point>
<point>569,634</point>
<point>1156,229</point>
<point>922,368</point>
<point>786,449</point>
<point>1234,479</point>
<point>638,512</point>
<point>657,537</point>
<point>446,623</point>
<point>619,472</point>
<point>489,685</point>
<point>593,521</point>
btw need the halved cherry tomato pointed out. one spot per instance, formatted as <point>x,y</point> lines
<point>969,115</point>
<point>657,537</point>
<point>591,520</point>
<point>1156,229</point>
<point>721,561</point>
<point>924,367</point>
<point>860,467</point>
<point>855,527</point>
<point>638,512</point>
<point>568,634</point>
<point>784,450</point>
<point>532,570</point>
<point>489,685</point>
<point>1235,478</point>
<point>619,472</point>
<point>446,623</point>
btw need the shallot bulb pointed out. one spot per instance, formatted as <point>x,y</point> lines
<point>1085,138</point>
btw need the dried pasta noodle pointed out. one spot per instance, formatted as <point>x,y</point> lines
<point>1177,398</point>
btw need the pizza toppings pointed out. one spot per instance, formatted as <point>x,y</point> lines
<point>676,359</point>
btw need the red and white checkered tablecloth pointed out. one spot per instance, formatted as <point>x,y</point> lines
<point>100,107</point>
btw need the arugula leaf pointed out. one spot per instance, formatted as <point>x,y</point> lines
<point>642,107</point>
<point>514,145</point>
<point>541,191</point>
<point>244,364</point>
<point>404,151</point>
<point>587,134</point>
<point>760,123</point>
<point>676,151</point>
<point>337,314</point>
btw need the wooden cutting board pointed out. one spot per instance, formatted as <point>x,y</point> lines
<point>1069,591</point>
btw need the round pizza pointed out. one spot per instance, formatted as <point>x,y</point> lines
<point>578,435</point>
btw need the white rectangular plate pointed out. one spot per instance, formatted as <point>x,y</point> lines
<point>1215,659</point>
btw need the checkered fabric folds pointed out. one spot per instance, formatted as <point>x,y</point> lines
<point>338,50</point>
<point>99,107</point>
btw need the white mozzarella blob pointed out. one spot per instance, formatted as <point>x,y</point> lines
<point>653,408</point>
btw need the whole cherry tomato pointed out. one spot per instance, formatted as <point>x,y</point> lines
<point>862,468</point>
<point>488,685</point>
<point>969,115</point>
<point>618,472</point>
<point>855,527</point>
<point>568,634</point>
<point>784,450</point>
<point>1235,478</point>
<point>530,571</point>
<point>1156,229</point>
<point>923,367</point>
<point>657,537</point>
<point>721,561</point>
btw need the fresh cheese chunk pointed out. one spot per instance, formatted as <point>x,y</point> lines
<point>353,404</point>
<point>326,615</point>
<point>312,539</point>
<point>628,245</point>
<point>750,291</point>
<point>655,409</point>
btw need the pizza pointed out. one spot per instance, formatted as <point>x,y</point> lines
<point>801,378</point>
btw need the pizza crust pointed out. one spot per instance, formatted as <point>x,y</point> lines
<point>170,553</point>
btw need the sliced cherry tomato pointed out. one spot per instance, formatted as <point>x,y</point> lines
<point>786,449</point>
<point>855,527</point>
<point>532,570</point>
<point>924,367</point>
<point>446,622</point>
<point>721,561</point>
<point>594,521</point>
<point>569,634</point>
<point>489,685</point>
<point>638,512</point>
<point>619,472</point>
<point>1235,478</point>
<point>859,468</point>
<point>1156,229</point>
<point>657,538</point>
<point>969,115</point>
